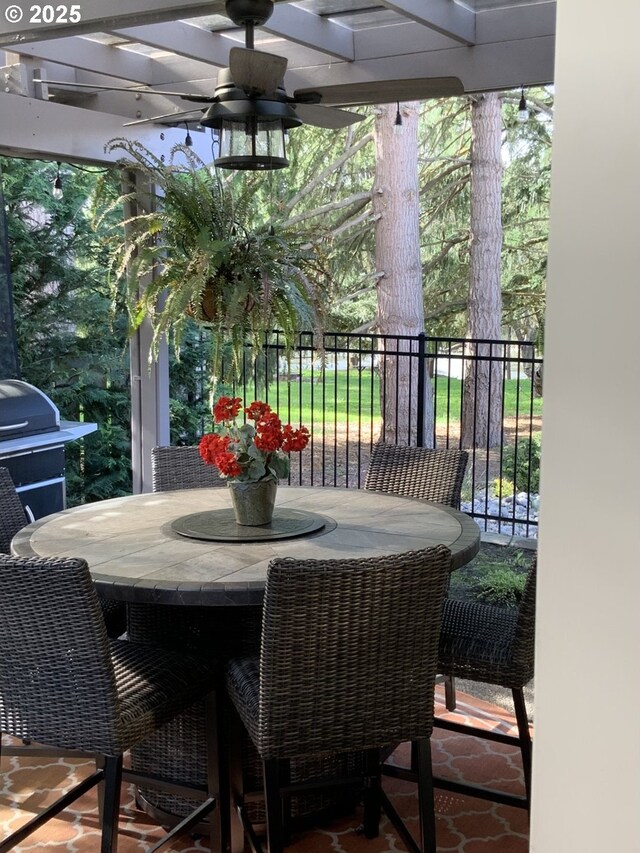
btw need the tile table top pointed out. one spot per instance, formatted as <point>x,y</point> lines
<point>135,555</point>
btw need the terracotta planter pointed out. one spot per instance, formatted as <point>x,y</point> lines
<point>253,502</point>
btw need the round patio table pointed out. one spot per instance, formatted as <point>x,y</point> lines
<point>204,595</point>
<point>135,553</point>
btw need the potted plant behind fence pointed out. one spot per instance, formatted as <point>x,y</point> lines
<point>205,251</point>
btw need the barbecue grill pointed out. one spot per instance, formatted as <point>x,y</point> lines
<point>32,439</point>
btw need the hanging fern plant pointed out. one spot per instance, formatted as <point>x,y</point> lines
<point>195,247</point>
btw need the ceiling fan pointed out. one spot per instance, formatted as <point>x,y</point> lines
<point>250,108</point>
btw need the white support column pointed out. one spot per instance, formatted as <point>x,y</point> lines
<point>149,406</point>
<point>149,394</point>
<point>586,769</point>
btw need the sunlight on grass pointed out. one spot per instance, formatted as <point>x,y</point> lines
<point>348,397</point>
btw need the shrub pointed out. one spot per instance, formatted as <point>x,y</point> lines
<point>503,488</point>
<point>521,463</point>
<point>501,586</point>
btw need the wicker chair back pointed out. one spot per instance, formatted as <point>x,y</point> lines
<point>349,652</point>
<point>182,468</point>
<point>57,684</point>
<point>523,647</point>
<point>490,644</point>
<point>418,472</point>
<point>12,515</point>
<point>66,686</point>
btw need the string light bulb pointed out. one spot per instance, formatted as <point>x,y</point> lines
<point>188,141</point>
<point>397,125</point>
<point>57,191</point>
<point>523,110</point>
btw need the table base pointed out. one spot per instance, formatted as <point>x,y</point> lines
<point>178,749</point>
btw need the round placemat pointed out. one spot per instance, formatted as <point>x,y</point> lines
<point>219,525</point>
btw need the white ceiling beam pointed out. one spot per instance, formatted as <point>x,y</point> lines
<point>182,39</point>
<point>96,18</point>
<point>519,23</point>
<point>305,28</point>
<point>443,16</point>
<point>516,22</point>
<point>87,55</point>
<point>483,68</point>
<point>45,130</point>
<point>400,39</point>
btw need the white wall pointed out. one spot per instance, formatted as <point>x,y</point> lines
<point>587,745</point>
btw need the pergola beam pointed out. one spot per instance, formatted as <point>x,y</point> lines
<point>131,13</point>
<point>485,68</point>
<point>182,39</point>
<point>443,16</point>
<point>305,28</point>
<point>87,55</point>
<point>45,130</point>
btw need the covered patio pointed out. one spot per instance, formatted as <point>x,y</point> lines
<point>355,53</point>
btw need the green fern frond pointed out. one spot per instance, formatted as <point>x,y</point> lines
<point>203,234</point>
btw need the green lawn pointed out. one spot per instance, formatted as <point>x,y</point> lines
<point>357,395</point>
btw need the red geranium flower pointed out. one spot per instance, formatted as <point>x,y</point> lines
<point>227,464</point>
<point>294,440</point>
<point>233,448</point>
<point>227,408</point>
<point>268,435</point>
<point>257,410</point>
<point>212,444</point>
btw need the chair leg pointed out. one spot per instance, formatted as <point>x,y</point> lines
<point>450,692</point>
<point>99,760</point>
<point>371,817</point>
<point>273,804</point>
<point>285,779</point>
<point>231,726</point>
<point>111,803</point>
<point>426,806</point>
<point>217,774</point>
<point>525,738</point>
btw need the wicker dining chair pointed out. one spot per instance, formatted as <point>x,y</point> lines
<point>13,518</point>
<point>12,515</point>
<point>65,685</point>
<point>425,473</point>
<point>418,472</point>
<point>345,645</point>
<point>182,468</point>
<point>492,645</point>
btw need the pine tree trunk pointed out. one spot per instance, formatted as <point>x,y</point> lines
<point>482,397</point>
<point>396,204</point>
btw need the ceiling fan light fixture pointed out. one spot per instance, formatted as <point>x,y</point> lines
<point>251,133</point>
<point>254,146</point>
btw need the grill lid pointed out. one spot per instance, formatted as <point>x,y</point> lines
<point>25,410</point>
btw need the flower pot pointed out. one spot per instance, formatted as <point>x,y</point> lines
<point>253,502</point>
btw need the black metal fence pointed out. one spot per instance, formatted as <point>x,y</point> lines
<point>353,390</point>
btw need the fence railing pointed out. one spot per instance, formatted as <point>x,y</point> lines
<point>353,390</point>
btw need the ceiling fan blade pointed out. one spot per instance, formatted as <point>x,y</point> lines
<point>256,71</point>
<point>176,117</point>
<point>329,117</point>
<point>384,91</point>
<point>136,90</point>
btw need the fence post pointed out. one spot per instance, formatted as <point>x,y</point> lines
<point>422,342</point>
